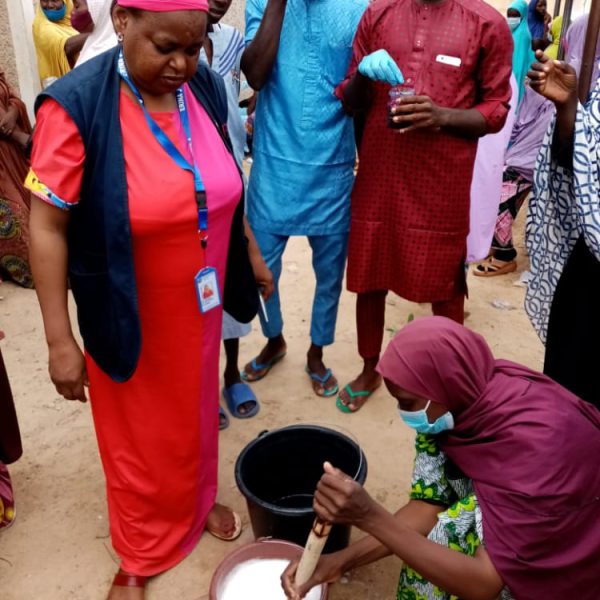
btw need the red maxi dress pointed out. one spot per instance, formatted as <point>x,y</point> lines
<point>410,204</point>
<point>158,432</point>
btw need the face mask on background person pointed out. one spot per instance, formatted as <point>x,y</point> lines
<point>418,420</point>
<point>55,15</point>
<point>82,21</point>
<point>513,22</point>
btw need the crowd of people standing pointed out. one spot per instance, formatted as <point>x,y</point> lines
<point>115,185</point>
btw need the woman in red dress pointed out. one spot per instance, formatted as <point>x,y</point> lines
<point>157,428</point>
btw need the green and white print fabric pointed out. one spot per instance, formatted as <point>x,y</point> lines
<point>459,525</point>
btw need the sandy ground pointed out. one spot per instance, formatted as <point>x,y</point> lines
<point>59,547</point>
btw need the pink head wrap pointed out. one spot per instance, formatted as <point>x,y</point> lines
<point>165,5</point>
<point>530,447</point>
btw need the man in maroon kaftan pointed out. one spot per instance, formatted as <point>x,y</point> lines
<point>410,204</point>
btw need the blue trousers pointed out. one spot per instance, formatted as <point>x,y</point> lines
<point>328,260</point>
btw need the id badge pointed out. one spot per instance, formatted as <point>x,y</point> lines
<point>453,61</point>
<point>207,289</point>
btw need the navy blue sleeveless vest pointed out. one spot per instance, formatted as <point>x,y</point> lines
<point>101,267</point>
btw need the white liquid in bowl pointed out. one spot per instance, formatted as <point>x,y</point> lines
<point>258,579</point>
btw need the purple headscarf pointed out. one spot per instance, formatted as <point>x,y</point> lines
<point>529,446</point>
<point>486,186</point>
<point>535,112</point>
<point>531,124</point>
<point>574,42</point>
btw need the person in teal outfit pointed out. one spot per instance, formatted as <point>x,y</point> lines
<point>297,52</point>
<point>523,56</point>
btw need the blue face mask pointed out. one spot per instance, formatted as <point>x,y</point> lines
<point>56,15</point>
<point>418,420</point>
<point>513,22</point>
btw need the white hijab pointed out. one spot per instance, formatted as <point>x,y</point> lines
<point>103,36</point>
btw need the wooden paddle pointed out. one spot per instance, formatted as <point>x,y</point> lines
<point>317,538</point>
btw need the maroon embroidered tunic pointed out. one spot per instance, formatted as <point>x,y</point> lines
<point>410,204</point>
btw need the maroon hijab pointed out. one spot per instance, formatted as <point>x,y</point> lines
<point>531,448</point>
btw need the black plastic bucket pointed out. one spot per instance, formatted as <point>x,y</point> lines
<point>278,473</point>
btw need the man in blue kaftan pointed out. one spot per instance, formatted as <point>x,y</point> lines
<point>297,52</point>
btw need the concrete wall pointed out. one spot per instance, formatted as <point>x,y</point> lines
<point>17,54</point>
<point>21,13</point>
<point>235,15</point>
<point>8,63</point>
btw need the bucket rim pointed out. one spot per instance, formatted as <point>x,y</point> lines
<point>284,511</point>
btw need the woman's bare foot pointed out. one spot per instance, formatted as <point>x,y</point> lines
<point>127,587</point>
<point>223,523</point>
<point>362,387</point>
<point>118,592</point>
<point>274,351</point>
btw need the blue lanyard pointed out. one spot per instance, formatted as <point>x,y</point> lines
<point>172,150</point>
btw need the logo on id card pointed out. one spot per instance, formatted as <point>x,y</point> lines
<point>207,289</point>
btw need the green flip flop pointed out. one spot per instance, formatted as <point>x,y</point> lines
<point>359,394</point>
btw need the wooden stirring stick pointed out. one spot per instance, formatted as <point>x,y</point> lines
<point>317,538</point>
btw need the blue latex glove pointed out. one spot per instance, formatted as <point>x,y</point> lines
<point>380,66</point>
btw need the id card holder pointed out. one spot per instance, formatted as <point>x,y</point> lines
<point>453,61</point>
<point>207,289</point>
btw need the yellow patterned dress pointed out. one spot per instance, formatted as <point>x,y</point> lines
<point>459,527</point>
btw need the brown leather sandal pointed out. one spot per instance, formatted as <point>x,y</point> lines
<point>123,579</point>
<point>492,267</point>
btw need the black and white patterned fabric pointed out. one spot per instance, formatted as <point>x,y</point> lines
<point>564,206</point>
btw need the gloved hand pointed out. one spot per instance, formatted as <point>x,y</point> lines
<point>380,66</point>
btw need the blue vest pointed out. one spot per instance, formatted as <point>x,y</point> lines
<point>101,266</point>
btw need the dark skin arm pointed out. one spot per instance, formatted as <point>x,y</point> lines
<point>208,45</point>
<point>557,81</point>
<point>339,499</point>
<point>20,138</point>
<point>357,93</point>
<point>259,57</point>
<point>262,273</point>
<point>252,103</point>
<point>8,126</point>
<point>74,45</point>
<point>470,578</point>
<point>421,113</point>
<point>48,257</point>
<point>420,516</point>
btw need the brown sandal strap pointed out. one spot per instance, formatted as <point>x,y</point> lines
<point>123,579</point>
<point>491,266</point>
